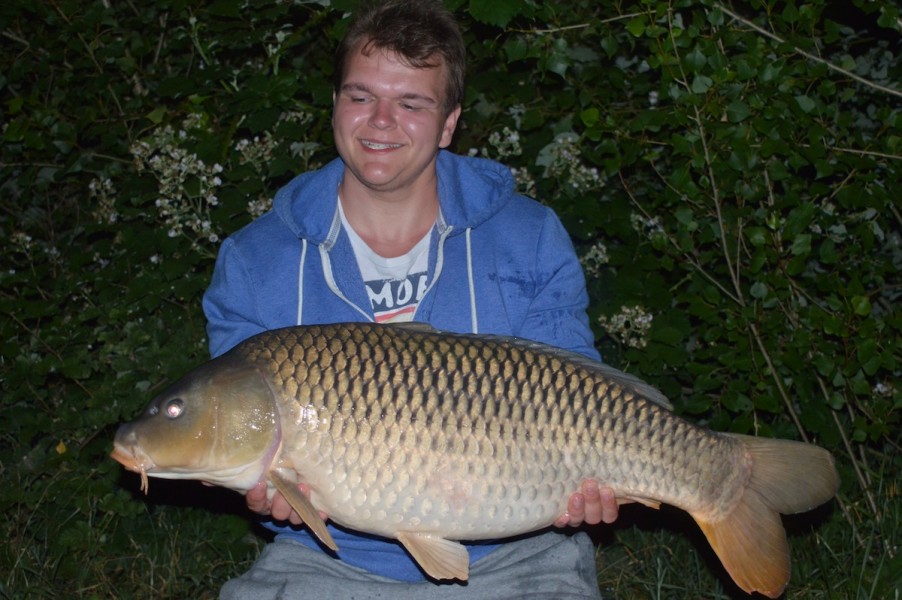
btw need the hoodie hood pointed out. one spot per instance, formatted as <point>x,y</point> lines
<point>471,190</point>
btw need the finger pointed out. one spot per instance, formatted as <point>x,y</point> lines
<point>566,519</point>
<point>576,510</point>
<point>594,509</point>
<point>256,499</point>
<point>609,505</point>
<point>282,511</point>
<point>563,520</point>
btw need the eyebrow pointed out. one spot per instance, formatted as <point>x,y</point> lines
<point>361,87</point>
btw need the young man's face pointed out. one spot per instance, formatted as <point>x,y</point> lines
<point>389,122</point>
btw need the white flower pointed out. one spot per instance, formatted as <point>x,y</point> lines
<point>594,259</point>
<point>630,325</point>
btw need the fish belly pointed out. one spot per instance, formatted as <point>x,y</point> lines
<point>468,479</point>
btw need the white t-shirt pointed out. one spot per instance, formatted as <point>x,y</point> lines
<point>396,285</point>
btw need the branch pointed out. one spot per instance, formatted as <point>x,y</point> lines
<point>808,55</point>
<point>14,37</point>
<point>580,26</point>
<point>686,255</point>
<point>732,269</point>
<point>775,375</point>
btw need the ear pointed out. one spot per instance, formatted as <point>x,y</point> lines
<point>334,100</point>
<point>449,127</point>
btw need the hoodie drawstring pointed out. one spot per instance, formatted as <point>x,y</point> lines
<point>330,280</point>
<point>301,282</point>
<point>473,321</point>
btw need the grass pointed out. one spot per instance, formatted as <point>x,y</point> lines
<point>177,544</point>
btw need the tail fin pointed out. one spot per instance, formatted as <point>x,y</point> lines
<point>786,477</point>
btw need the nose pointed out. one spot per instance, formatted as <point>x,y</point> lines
<point>382,116</point>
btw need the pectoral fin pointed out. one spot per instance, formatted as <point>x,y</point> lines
<point>440,558</point>
<point>302,505</point>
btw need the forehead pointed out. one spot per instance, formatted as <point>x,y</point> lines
<point>378,67</point>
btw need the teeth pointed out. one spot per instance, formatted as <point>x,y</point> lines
<point>378,146</point>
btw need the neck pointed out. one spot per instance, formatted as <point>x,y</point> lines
<point>390,225</point>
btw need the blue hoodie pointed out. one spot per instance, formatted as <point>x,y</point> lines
<point>499,263</point>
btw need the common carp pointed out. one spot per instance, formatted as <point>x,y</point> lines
<point>429,438</point>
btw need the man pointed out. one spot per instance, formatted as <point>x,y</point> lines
<point>399,229</point>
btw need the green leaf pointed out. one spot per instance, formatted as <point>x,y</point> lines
<point>701,84</point>
<point>757,236</point>
<point>685,217</point>
<point>156,115</point>
<point>226,8</point>
<point>770,72</point>
<point>824,168</point>
<point>590,116</point>
<point>516,49</point>
<point>557,60</point>
<point>738,111</point>
<point>496,12</point>
<point>636,26</point>
<point>805,103</point>
<point>696,405</point>
<point>801,245</point>
<point>828,253</point>
<point>15,104</point>
<point>737,403</point>
<point>824,364</point>
<point>715,17</point>
<point>861,306</point>
<point>695,60</point>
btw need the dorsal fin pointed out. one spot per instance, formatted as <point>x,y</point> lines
<point>417,327</point>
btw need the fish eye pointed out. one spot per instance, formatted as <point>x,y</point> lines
<point>174,408</point>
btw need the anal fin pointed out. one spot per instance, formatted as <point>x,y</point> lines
<point>649,502</point>
<point>439,557</point>
<point>301,503</point>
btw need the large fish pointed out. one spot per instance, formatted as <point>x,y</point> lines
<point>429,437</point>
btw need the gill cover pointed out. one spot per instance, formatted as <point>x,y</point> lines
<point>218,424</point>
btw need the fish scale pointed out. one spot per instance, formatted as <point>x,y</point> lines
<point>462,388</point>
<point>430,437</point>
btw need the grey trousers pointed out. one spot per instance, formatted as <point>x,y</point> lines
<point>551,565</point>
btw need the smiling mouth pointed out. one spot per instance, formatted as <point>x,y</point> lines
<point>379,145</point>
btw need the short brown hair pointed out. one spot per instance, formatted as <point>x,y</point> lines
<point>418,31</point>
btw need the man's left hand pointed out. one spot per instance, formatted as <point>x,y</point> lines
<point>593,504</point>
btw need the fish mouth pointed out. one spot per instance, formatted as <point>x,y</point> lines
<point>129,459</point>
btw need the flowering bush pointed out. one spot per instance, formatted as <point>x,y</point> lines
<point>727,171</point>
<point>187,185</point>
